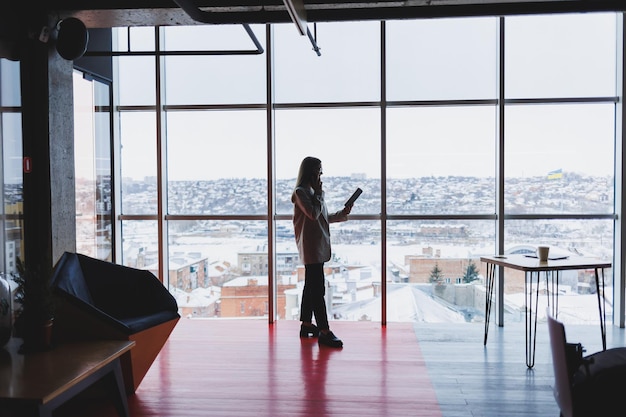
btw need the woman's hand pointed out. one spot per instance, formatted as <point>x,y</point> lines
<point>347,209</point>
<point>317,186</point>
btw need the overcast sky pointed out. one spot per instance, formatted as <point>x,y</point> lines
<point>547,56</point>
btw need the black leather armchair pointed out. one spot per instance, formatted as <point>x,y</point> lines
<point>103,300</point>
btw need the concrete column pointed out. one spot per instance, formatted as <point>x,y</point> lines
<point>48,140</point>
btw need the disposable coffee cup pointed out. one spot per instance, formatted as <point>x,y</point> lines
<point>542,253</point>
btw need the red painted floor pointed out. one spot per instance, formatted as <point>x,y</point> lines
<point>243,368</point>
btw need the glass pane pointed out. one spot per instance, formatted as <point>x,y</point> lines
<point>442,59</point>
<point>92,156</point>
<point>434,270</point>
<point>578,300</point>
<point>561,55</point>
<point>138,161</point>
<point>559,159</point>
<point>10,94</point>
<point>141,38</point>
<point>217,162</point>
<point>441,160</point>
<point>104,198</point>
<point>11,136</point>
<point>136,80</point>
<point>348,143</point>
<point>84,160</point>
<point>353,275</point>
<point>348,69</point>
<point>140,245</point>
<point>219,268</point>
<point>211,38</point>
<point>236,79</point>
<point>134,39</point>
<point>120,39</point>
<point>12,197</point>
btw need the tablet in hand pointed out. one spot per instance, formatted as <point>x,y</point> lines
<point>353,197</point>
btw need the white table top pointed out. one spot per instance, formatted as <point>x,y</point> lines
<point>526,263</point>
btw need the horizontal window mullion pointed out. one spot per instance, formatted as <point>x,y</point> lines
<point>196,107</point>
<point>172,53</point>
<point>193,217</point>
<point>432,103</point>
<point>10,109</point>
<point>609,216</point>
<point>561,100</point>
<point>135,108</point>
<point>441,217</point>
<point>349,104</point>
<point>124,217</point>
<point>338,104</point>
<point>244,217</point>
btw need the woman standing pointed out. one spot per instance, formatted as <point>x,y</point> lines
<point>310,221</point>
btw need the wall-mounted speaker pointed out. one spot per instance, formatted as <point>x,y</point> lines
<point>72,38</point>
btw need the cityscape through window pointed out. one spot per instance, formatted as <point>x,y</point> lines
<point>413,112</point>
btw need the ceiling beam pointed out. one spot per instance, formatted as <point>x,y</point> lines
<point>110,13</point>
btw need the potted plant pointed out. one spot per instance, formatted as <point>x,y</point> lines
<point>35,314</point>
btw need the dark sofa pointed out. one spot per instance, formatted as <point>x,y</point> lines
<point>103,300</point>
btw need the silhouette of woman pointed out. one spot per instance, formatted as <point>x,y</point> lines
<point>310,221</point>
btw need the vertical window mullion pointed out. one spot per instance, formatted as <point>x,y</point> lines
<point>271,206</point>
<point>162,242</point>
<point>619,251</point>
<point>383,172</point>
<point>499,169</point>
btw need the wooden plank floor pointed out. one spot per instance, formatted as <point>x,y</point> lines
<point>240,368</point>
<point>473,380</point>
<point>247,368</point>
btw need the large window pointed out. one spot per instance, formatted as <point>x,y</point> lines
<point>92,155</point>
<point>559,146</point>
<point>11,168</point>
<point>211,141</point>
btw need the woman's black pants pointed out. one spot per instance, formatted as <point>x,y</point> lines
<point>313,302</point>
